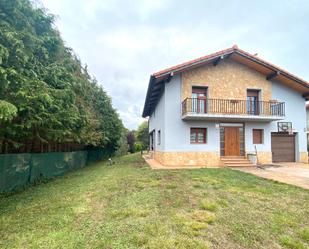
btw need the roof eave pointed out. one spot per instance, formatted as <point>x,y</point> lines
<point>272,67</point>
<point>150,86</point>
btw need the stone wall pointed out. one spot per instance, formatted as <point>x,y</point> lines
<point>227,80</point>
<point>264,157</point>
<point>206,159</point>
<point>303,157</point>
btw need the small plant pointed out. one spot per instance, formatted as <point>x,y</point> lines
<point>197,225</point>
<point>304,235</point>
<point>291,243</point>
<point>204,216</point>
<point>210,206</point>
<point>171,186</point>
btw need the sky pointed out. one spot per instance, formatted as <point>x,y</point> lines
<point>123,42</point>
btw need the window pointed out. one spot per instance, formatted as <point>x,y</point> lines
<point>257,136</point>
<point>198,135</point>
<point>159,136</point>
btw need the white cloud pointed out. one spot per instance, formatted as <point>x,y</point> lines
<point>146,7</point>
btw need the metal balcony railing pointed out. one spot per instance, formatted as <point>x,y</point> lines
<point>232,106</point>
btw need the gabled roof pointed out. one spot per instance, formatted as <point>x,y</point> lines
<point>271,71</point>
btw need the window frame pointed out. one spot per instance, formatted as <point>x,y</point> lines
<point>196,131</point>
<point>261,136</point>
<point>200,90</point>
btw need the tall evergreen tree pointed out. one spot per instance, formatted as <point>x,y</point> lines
<point>46,96</point>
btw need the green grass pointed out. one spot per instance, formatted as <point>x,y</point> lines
<point>128,205</point>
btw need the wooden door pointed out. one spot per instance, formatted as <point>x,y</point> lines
<point>231,141</point>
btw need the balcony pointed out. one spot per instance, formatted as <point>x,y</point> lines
<point>232,110</point>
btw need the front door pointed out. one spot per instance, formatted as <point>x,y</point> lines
<point>231,141</point>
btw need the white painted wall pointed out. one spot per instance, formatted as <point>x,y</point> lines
<point>249,146</point>
<point>295,111</point>
<point>176,131</point>
<point>157,122</point>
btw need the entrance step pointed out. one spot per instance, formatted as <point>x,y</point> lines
<point>236,162</point>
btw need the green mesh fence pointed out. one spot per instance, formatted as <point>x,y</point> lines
<point>20,170</point>
<point>14,171</point>
<point>98,154</point>
<point>48,165</point>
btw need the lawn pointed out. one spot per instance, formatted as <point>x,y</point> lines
<point>128,205</point>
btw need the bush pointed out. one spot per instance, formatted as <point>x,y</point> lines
<point>138,147</point>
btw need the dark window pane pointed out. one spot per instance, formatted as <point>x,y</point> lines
<point>257,136</point>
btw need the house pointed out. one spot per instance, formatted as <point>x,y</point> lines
<point>226,105</point>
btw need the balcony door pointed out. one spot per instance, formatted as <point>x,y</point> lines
<point>253,102</point>
<point>199,95</point>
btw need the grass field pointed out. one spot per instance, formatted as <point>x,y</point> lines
<point>128,205</point>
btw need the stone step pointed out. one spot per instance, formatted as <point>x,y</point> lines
<point>237,162</point>
<point>233,158</point>
<point>240,165</point>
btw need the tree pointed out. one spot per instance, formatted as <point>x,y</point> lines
<point>48,101</point>
<point>123,146</point>
<point>142,135</point>
<point>131,141</point>
<point>7,111</point>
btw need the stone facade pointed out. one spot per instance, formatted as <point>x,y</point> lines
<point>264,157</point>
<point>205,159</point>
<point>303,157</point>
<point>228,80</point>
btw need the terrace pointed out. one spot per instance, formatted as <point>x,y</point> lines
<point>232,109</point>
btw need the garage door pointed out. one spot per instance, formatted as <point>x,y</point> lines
<point>283,147</point>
